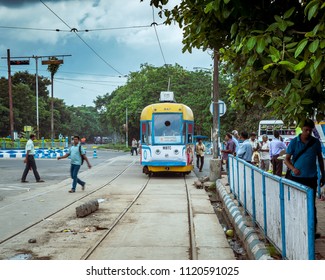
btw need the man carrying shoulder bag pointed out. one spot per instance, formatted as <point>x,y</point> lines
<point>304,150</point>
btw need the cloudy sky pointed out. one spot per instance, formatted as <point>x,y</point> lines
<point>120,38</point>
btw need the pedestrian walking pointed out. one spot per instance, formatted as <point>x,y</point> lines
<point>265,153</point>
<point>134,146</point>
<point>276,147</point>
<point>245,150</point>
<point>78,155</point>
<point>30,161</point>
<point>301,157</point>
<point>200,151</point>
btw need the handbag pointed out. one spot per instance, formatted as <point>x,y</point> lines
<point>310,143</point>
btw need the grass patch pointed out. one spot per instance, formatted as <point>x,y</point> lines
<point>118,147</point>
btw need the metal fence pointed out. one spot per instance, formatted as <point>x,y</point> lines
<point>283,209</point>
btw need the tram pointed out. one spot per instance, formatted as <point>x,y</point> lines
<point>166,131</point>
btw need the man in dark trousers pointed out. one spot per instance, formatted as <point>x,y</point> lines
<point>30,161</point>
<point>304,169</point>
<point>276,147</point>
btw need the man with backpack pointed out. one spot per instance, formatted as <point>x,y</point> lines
<point>301,156</point>
<point>78,155</point>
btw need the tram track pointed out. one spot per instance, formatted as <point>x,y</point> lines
<point>92,248</point>
<point>88,194</point>
<point>191,229</point>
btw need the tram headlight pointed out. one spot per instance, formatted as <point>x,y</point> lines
<point>176,152</point>
<point>157,152</point>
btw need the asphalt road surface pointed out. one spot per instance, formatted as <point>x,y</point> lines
<point>52,171</point>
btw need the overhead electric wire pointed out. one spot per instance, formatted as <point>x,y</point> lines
<point>75,31</point>
<point>105,83</point>
<point>80,87</point>
<point>82,30</point>
<point>154,26</point>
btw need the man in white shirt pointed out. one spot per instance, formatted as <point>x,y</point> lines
<point>276,147</point>
<point>134,147</point>
<point>265,153</point>
<point>30,161</point>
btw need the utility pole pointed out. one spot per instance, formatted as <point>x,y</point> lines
<point>20,61</point>
<point>36,85</point>
<point>215,162</point>
<point>126,128</point>
<point>215,101</point>
<point>11,111</point>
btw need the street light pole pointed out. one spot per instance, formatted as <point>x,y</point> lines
<point>11,110</point>
<point>36,84</point>
<point>26,62</point>
<point>126,127</point>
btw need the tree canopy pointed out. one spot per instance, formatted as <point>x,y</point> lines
<point>274,48</point>
<point>69,120</point>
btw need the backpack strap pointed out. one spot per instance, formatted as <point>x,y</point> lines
<point>311,142</point>
<point>81,155</point>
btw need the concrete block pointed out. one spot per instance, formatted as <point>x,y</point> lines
<point>87,208</point>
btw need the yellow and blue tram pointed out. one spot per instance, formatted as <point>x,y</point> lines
<point>166,130</point>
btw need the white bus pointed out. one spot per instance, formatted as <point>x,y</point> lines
<point>268,126</point>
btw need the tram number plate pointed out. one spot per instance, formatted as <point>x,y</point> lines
<point>167,147</point>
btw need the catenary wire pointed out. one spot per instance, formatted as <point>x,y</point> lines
<point>91,48</point>
<point>154,26</point>
<point>82,30</point>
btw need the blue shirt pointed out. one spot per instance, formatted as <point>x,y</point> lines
<point>236,143</point>
<point>75,154</point>
<point>306,163</point>
<point>276,146</point>
<point>245,151</point>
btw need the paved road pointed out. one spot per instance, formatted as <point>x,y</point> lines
<point>50,170</point>
<point>154,224</point>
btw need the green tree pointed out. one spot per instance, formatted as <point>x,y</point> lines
<point>52,68</point>
<point>275,48</point>
<point>84,121</point>
<point>192,88</point>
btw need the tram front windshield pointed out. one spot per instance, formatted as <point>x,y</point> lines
<point>167,128</point>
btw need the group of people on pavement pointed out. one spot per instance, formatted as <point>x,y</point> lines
<point>301,156</point>
<point>76,152</point>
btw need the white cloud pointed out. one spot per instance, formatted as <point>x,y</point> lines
<point>124,49</point>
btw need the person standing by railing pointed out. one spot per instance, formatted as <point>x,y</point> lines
<point>229,149</point>
<point>304,150</point>
<point>265,153</point>
<point>245,150</point>
<point>276,147</point>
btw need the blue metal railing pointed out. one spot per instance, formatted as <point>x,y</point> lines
<point>283,209</point>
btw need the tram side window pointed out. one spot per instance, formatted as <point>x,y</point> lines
<point>189,133</point>
<point>146,133</point>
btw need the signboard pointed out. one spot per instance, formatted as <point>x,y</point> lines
<point>27,128</point>
<point>222,108</point>
<point>54,61</point>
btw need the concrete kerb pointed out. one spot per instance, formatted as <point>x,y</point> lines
<point>254,247</point>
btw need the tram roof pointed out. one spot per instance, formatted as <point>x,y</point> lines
<point>167,107</point>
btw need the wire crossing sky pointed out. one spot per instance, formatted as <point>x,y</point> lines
<point>106,39</point>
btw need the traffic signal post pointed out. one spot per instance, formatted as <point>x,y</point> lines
<point>24,60</point>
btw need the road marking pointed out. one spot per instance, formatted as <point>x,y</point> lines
<point>13,188</point>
